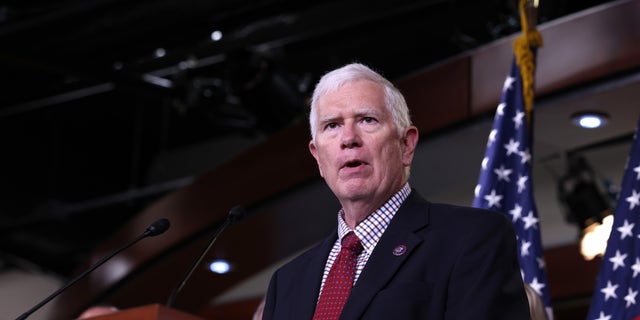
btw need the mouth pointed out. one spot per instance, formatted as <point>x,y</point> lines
<point>353,164</point>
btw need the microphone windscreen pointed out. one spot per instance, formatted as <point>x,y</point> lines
<point>158,227</point>
<point>237,213</point>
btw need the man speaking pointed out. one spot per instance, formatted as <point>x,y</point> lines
<point>394,255</point>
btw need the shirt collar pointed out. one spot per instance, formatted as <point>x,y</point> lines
<point>371,229</point>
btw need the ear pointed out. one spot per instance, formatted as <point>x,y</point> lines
<point>409,142</point>
<point>314,153</point>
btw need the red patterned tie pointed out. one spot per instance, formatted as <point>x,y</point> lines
<point>339,282</point>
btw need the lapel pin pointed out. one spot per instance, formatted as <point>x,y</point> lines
<point>399,250</point>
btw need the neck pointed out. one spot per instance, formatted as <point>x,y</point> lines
<point>355,212</point>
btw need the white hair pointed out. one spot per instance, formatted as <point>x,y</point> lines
<point>394,101</point>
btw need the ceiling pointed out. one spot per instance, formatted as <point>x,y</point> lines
<point>106,105</point>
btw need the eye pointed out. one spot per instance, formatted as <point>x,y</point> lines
<point>331,125</point>
<point>369,120</point>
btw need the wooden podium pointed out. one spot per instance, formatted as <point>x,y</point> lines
<point>148,312</point>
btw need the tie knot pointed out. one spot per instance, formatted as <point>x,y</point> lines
<point>352,243</point>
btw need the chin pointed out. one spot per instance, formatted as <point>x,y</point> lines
<point>356,192</point>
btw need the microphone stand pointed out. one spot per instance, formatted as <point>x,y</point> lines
<point>156,228</point>
<point>236,213</point>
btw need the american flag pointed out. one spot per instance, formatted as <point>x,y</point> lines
<point>616,293</point>
<point>505,182</point>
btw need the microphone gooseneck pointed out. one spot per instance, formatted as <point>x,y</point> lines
<point>156,228</point>
<point>236,214</point>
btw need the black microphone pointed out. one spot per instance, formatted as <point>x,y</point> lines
<point>235,214</point>
<point>156,228</point>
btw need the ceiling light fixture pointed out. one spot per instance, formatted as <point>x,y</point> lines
<point>159,53</point>
<point>589,119</point>
<point>586,204</point>
<point>216,35</point>
<point>220,266</point>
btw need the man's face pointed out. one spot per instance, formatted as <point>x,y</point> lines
<point>357,147</point>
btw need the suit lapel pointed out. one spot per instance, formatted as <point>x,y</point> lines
<point>306,296</point>
<point>383,263</point>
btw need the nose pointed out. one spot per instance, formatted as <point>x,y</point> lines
<point>350,137</point>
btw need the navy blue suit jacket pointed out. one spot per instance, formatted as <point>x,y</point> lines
<point>460,263</point>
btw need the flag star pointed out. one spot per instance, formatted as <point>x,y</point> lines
<point>637,170</point>
<point>503,173</point>
<point>541,263</point>
<point>524,249</point>
<point>517,120</point>
<point>609,291</point>
<point>630,298</point>
<point>493,199</point>
<point>476,192</point>
<point>636,267</point>
<point>537,286</point>
<point>485,162</point>
<point>522,180</point>
<point>530,221</point>
<point>507,83</point>
<point>500,110</point>
<point>618,260</point>
<point>603,316</point>
<point>626,229</point>
<point>492,136</point>
<point>516,212</point>
<point>634,200</point>
<point>525,155</point>
<point>512,147</point>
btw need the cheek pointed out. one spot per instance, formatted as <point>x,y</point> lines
<point>323,160</point>
<point>393,160</point>
<point>392,153</point>
<point>322,167</point>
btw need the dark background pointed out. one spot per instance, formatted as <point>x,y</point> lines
<point>107,105</point>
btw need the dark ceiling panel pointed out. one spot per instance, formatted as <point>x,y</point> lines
<point>86,108</point>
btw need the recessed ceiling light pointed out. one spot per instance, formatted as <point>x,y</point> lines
<point>589,119</point>
<point>216,35</point>
<point>159,53</point>
<point>219,266</point>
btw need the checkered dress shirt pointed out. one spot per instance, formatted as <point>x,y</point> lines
<point>368,231</point>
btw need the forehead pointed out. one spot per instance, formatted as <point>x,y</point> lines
<point>358,93</point>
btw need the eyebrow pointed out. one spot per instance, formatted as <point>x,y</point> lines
<point>370,111</point>
<point>367,111</point>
